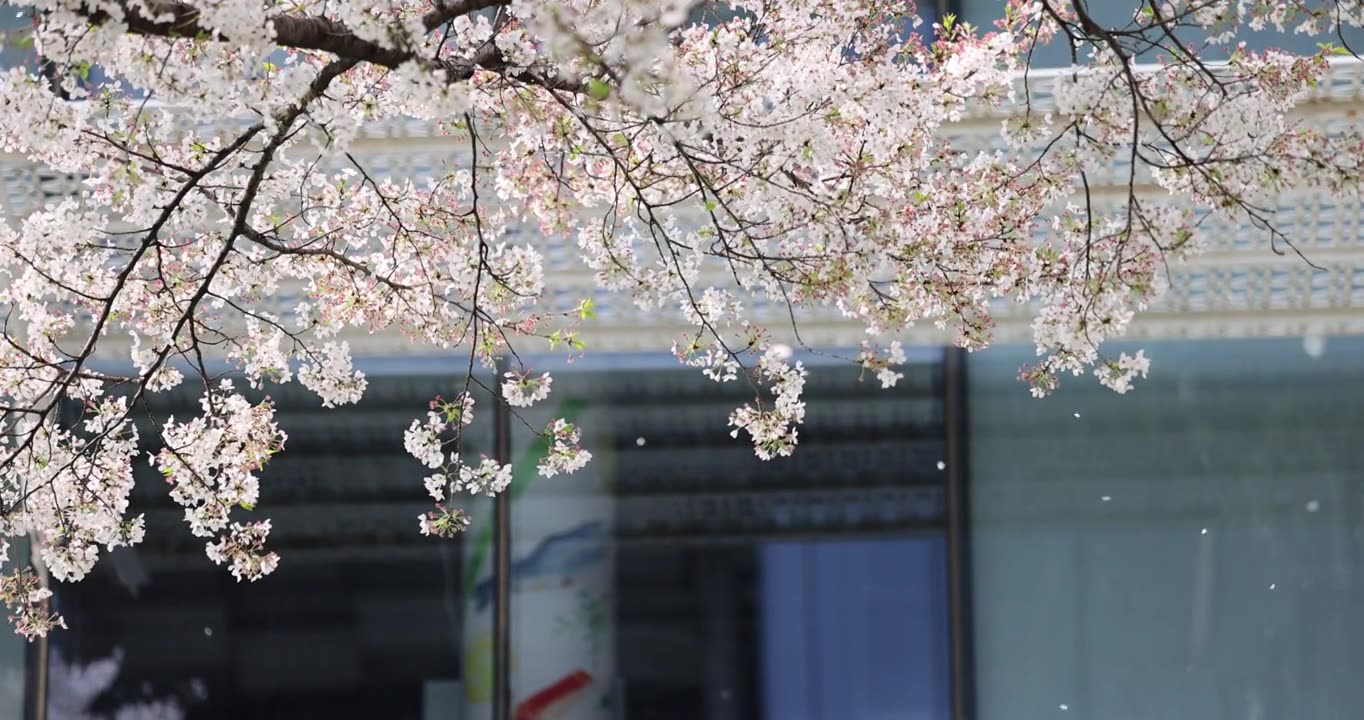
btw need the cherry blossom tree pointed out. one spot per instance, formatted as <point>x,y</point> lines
<point>796,149</point>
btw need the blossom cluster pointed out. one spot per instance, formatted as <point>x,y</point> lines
<point>883,362</point>
<point>243,547</point>
<point>772,426</point>
<point>565,454</point>
<point>211,463</point>
<point>27,599</point>
<point>437,443</point>
<point>523,389</point>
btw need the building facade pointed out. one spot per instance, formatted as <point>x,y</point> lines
<point>951,548</point>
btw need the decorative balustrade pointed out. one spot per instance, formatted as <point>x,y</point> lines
<point>1238,287</point>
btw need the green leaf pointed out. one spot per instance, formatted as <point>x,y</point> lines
<point>598,89</point>
<point>1331,48</point>
<point>585,310</point>
<point>711,205</point>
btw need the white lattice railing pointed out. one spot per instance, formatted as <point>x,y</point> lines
<point>1239,287</point>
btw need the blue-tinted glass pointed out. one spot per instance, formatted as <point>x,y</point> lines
<point>16,49</point>
<point>679,578</point>
<point>1194,549</point>
<point>854,628</point>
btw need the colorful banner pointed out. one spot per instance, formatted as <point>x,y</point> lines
<point>563,646</point>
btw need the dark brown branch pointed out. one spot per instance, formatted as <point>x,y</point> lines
<point>178,19</point>
<point>181,20</point>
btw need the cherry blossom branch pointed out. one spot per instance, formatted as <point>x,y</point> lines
<point>181,20</point>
